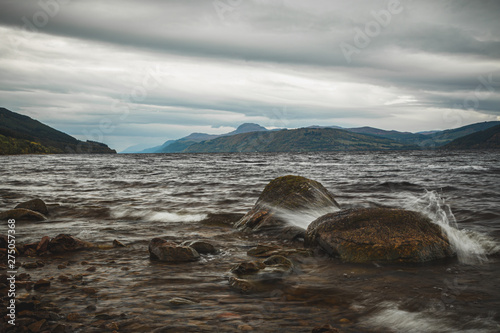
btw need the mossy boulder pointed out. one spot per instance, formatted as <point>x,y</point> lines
<point>37,205</point>
<point>286,194</point>
<point>22,214</point>
<point>379,234</point>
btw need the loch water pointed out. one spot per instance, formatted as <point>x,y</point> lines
<point>134,198</point>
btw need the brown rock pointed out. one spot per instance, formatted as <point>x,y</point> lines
<point>325,329</point>
<point>91,269</point>
<point>30,265</point>
<point>42,246</point>
<point>163,250</point>
<point>291,194</point>
<point>36,205</point>
<point>89,291</point>
<point>117,243</point>
<point>67,243</point>
<point>73,317</point>
<point>21,214</point>
<point>43,283</point>
<point>379,234</point>
<point>202,247</point>
<point>37,326</point>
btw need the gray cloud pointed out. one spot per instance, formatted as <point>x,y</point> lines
<point>74,63</point>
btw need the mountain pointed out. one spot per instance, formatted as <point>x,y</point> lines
<point>444,137</point>
<point>183,143</point>
<point>425,139</point>
<point>298,140</point>
<point>135,149</point>
<point>486,139</point>
<point>21,134</point>
<point>403,137</point>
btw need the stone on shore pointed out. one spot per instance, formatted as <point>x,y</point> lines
<point>286,194</point>
<point>160,249</point>
<point>202,247</point>
<point>66,243</point>
<point>36,205</point>
<point>379,234</point>
<point>22,214</point>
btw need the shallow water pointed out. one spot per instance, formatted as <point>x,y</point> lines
<point>134,198</point>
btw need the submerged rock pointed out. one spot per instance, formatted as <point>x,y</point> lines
<point>67,243</point>
<point>163,250</point>
<point>22,214</point>
<point>36,205</point>
<point>379,234</point>
<point>290,194</point>
<point>249,276</point>
<point>202,247</point>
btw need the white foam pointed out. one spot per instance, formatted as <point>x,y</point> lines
<point>398,320</point>
<point>471,246</point>
<point>136,214</point>
<point>303,218</point>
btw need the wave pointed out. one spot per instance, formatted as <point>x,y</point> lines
<point>470,246</point>
<point>152,216</point>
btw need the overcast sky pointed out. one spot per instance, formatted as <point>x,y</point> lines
<point>130,72</point>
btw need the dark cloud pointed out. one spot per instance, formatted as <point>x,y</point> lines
<point>243,60</point>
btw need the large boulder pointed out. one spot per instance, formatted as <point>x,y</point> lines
<point>160,249</point>
<point>286,194</point>
<point>36,205</point>
<point>22,214</point>
<point>67,243</point>
<point>379,234</point>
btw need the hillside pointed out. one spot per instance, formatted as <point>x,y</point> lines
<point>23,135</point>
<point>299,140</point>
<point>183,143</point>
<point>403,137</point>
<point>487,139</point>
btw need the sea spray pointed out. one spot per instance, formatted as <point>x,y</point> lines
<point>471,247</point>
<point>303,217</point>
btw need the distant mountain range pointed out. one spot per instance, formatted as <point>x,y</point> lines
<point>486,139</point>
<point>255,138</point>
<point>21,134</point>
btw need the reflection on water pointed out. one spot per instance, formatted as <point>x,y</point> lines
<point>134,198</point>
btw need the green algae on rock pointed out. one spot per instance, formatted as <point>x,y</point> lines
<point>290,193</point>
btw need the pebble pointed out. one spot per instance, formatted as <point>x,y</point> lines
<point>245,328</point>
<point>91,269</point>
<point>73,316</point>
<point>89,291</point>
<point>43,283</point>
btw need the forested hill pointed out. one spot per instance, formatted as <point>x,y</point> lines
<point>21,134</point>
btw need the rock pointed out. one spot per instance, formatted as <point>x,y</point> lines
<point>163,250</point>
<point>73,316</point>
<point>67,243</point>
<point>286,194</point>
<point>250,276</point>
<point>379,234</point>
<point>91,269</point>
<point>43,283</point>
<point>325,329</point>
<point>4,241</point>
<point>89,291</point>
<point>222,219</point>
<point>245,328</point>
<point>117,243</point>
<point>22,214</point>
<point>43,245</point>
<point>30,265</point>
<point>201,247</point>
<point>36,327</point>
<point>36,205</point>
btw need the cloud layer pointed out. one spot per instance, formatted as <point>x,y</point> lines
<point>127,72</point>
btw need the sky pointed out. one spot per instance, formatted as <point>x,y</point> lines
<point>129,72</point>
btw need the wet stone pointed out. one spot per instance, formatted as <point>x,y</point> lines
<point>42,284</point>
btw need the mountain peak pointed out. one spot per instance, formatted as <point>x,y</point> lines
<point>249,127</point>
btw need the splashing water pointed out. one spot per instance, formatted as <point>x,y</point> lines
<point>471,247</point>
<point>303,218</point>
